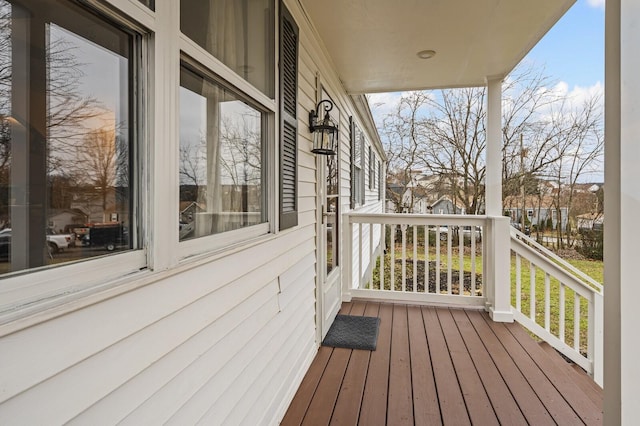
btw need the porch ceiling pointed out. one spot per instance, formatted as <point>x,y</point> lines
<point>374,43</point>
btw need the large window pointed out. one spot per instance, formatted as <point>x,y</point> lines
<point>240,33</point>
<point>222,151</point>
<point>67,144</point>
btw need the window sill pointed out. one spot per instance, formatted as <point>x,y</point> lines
<point>28,315</point>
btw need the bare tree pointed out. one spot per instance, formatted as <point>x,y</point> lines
<point>456,141</point>
<point>100,158</point>
<point>579,148</point>
<point>444,133</point>
<point>403,134</point>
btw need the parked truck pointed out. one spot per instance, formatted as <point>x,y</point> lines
<point>108,235</point>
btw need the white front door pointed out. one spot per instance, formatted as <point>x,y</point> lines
<point>329,294</point>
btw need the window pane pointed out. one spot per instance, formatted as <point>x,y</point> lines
<point>221,156</point>
<point>151,4</point>
<point>239,33</point>
<point>65,142</point>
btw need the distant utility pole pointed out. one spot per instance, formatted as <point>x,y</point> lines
<point>522,191</point>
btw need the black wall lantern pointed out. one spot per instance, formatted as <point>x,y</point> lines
<point>325,131</point>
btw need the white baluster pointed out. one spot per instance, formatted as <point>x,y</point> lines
<point>532,291</point>
<point>547,302</point>
<point>562,313</point>
<point>404,257</point>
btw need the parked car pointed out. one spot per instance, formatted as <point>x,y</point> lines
<point>55,241</point>
<point>466,232</point>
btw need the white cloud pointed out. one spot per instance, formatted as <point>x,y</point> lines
<point>596,3</point>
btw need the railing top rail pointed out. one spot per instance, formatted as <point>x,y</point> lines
<point>545,252</point>
<point>417,219</point>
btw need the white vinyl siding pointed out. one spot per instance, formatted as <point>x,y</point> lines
<point>219,337</point>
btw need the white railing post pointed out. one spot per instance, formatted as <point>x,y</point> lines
<point>347,277</point>
<point>597,339</point>
<point>500,270</point>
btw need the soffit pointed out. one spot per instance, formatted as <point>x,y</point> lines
<point>373,43</point>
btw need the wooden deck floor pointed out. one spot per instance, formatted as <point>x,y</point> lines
<point>443,366</point>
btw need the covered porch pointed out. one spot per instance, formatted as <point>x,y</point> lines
<point>388,47</point>
<point>436,365</point>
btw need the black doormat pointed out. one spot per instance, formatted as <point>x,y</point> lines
<point>353,332</point>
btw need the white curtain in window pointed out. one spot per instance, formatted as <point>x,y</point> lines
<point>225,35</point>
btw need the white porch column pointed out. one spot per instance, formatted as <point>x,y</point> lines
<point>622,204</point>
<point>498,255</point>
<point>493,182</point>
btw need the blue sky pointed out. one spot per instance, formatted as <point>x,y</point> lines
<point>572,53</point>
<point>573,50</point>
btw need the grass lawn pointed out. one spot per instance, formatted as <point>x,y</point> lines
<point>591,268</point>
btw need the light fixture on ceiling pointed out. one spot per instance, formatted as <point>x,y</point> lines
<point>426,54</point>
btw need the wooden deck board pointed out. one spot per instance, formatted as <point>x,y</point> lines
<point>426,409</point>
<point>400,403</point>
<point>475,396</point>
<point>558,408</point>
<point>347,409</point>
<point>452,406</point>
<point>584,407</point>
<point>374,401</point>
<point>505,406</point>
<point>441,366</point>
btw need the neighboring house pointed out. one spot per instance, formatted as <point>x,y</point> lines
<point>538,211</point>
<point>445,206</point>
<point>590,221</point>
<point>221,327</point>
<point>62,220</point>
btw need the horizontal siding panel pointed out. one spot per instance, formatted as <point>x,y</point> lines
<point>282,397</point>
<point>126,358</point>
<point>299,271</point>
<point>216,386</point>
<point>115,406</point>
<point>180,389</point>
<point>269,376</point>
<point>304,284</point>
<point>36,354</point>
<point>307,204</point>
<point>307,174</point>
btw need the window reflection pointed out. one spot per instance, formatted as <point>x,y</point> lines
<point>221,152</point>
<point>65,139</point>
<point>239,33</point>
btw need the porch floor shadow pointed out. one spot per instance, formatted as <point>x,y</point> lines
<point>443,366</point>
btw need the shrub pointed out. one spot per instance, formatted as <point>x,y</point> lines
<point>591,243</point>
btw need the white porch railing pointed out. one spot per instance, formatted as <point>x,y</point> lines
<point>428,258</point>
<point>474,261</point>
<point>558,303</point>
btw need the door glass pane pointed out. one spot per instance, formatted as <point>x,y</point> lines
<point>65,136</point>
<point>332,207</point>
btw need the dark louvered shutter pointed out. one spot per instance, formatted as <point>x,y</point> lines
<point>288,120</point>
<point>380,181</point>
<point>352,133</point>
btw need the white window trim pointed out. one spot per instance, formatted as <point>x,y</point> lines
<point>30,297</point>
<point>207,60</point>
<point>28,293</point>
<point>219,242</point>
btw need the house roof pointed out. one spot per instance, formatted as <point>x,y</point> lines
<point>374,44</point>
